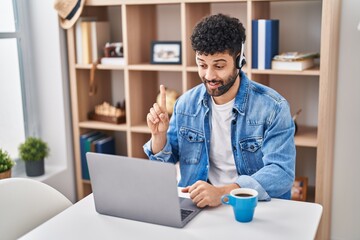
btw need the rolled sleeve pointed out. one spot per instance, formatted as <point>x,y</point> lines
<point>246,181</point>
<point>163,156</point>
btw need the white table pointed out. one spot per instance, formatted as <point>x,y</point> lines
<point>277,219</point>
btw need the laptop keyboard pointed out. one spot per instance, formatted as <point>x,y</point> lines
<point>185,213</point>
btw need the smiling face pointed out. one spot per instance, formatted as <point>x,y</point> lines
<point>218,70</point>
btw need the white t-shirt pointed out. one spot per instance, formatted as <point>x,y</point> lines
<point>222,164</point>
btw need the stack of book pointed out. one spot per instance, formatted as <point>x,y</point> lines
<point>91,37</point>
<point>294,61</point>
<point>94,141</point>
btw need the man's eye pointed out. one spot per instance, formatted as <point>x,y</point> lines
<point>219,67</point>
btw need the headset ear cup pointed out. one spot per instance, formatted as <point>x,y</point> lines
<point>240,60</point>
<point>238,63</point>
<point>243,61</point>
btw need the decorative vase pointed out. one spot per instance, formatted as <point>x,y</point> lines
<point>6,174</point>
<point>35,168</point>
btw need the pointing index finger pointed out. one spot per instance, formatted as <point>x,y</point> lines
<point>163,98</point>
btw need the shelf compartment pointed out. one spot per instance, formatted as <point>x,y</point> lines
<point>142,98</point>
<point>137,142</point>
<point>192,80</point>
<point>139,38</point>
<point>111,32</point>
<point>102,126</point>
<point>86,102</point>
<point>306,137</point>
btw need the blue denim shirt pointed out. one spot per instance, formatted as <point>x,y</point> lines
<point>262,138</point>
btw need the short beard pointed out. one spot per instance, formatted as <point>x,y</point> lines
<point>216,92</point>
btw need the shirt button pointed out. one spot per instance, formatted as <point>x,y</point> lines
<point>252,147</point>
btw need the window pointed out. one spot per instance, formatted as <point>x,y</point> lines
<point>15,80</point>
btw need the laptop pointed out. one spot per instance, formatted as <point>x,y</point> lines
<point>138,189</point>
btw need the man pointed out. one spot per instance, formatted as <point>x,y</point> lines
<point>228,132</point>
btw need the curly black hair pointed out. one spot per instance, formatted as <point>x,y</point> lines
<point>218,34</point>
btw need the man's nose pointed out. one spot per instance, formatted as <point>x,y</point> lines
<point>210,74</point>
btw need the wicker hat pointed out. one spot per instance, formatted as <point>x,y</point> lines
<point>69,11</point>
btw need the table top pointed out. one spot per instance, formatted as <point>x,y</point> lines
<point>277,219</point>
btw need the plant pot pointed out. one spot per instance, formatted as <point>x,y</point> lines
<point>35,168</point>
<point>6,174</point>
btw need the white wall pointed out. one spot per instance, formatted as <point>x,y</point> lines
<point>346,190</point>
<point>51,80</point>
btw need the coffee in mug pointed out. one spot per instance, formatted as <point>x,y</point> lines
<point>243,195</point>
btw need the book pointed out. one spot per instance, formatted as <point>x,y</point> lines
<point>86,42</point>
<point>100,35</point>
<point>105,145</point>
<point>79,39</point>
<point>297,65</point>
<point>78,42</point>
<point>265,42</point>
<point>113,61</point>
<point>83,139</point>
<point>85,146</point>
<point>293,56</point>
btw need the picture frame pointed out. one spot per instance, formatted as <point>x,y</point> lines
<point>299,189</point>
<point>166,52</point>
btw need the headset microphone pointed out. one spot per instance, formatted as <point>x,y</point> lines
<point>228,85</point>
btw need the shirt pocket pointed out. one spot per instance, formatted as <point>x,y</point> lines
<point>252,154</point>
<point>190,145</point>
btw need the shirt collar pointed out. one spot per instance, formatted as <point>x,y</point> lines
<point>243,94</point>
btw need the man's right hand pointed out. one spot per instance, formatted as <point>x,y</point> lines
<point>158,122</point>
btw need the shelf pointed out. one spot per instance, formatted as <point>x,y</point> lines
<point>130,2</point>
<point>86,181</point>
<point>155,67</point>
<point>192,69</point>
<point>315,71</point>
<point>103,126</point>
<point>100,67</point>
<point>306,137</point>
<point>143,128</point>
<point>103,2</point>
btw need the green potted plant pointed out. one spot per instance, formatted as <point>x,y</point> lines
<point>6,163</point>
<point>33,151</point>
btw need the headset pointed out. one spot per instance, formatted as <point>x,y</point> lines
<point>240,60</point>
